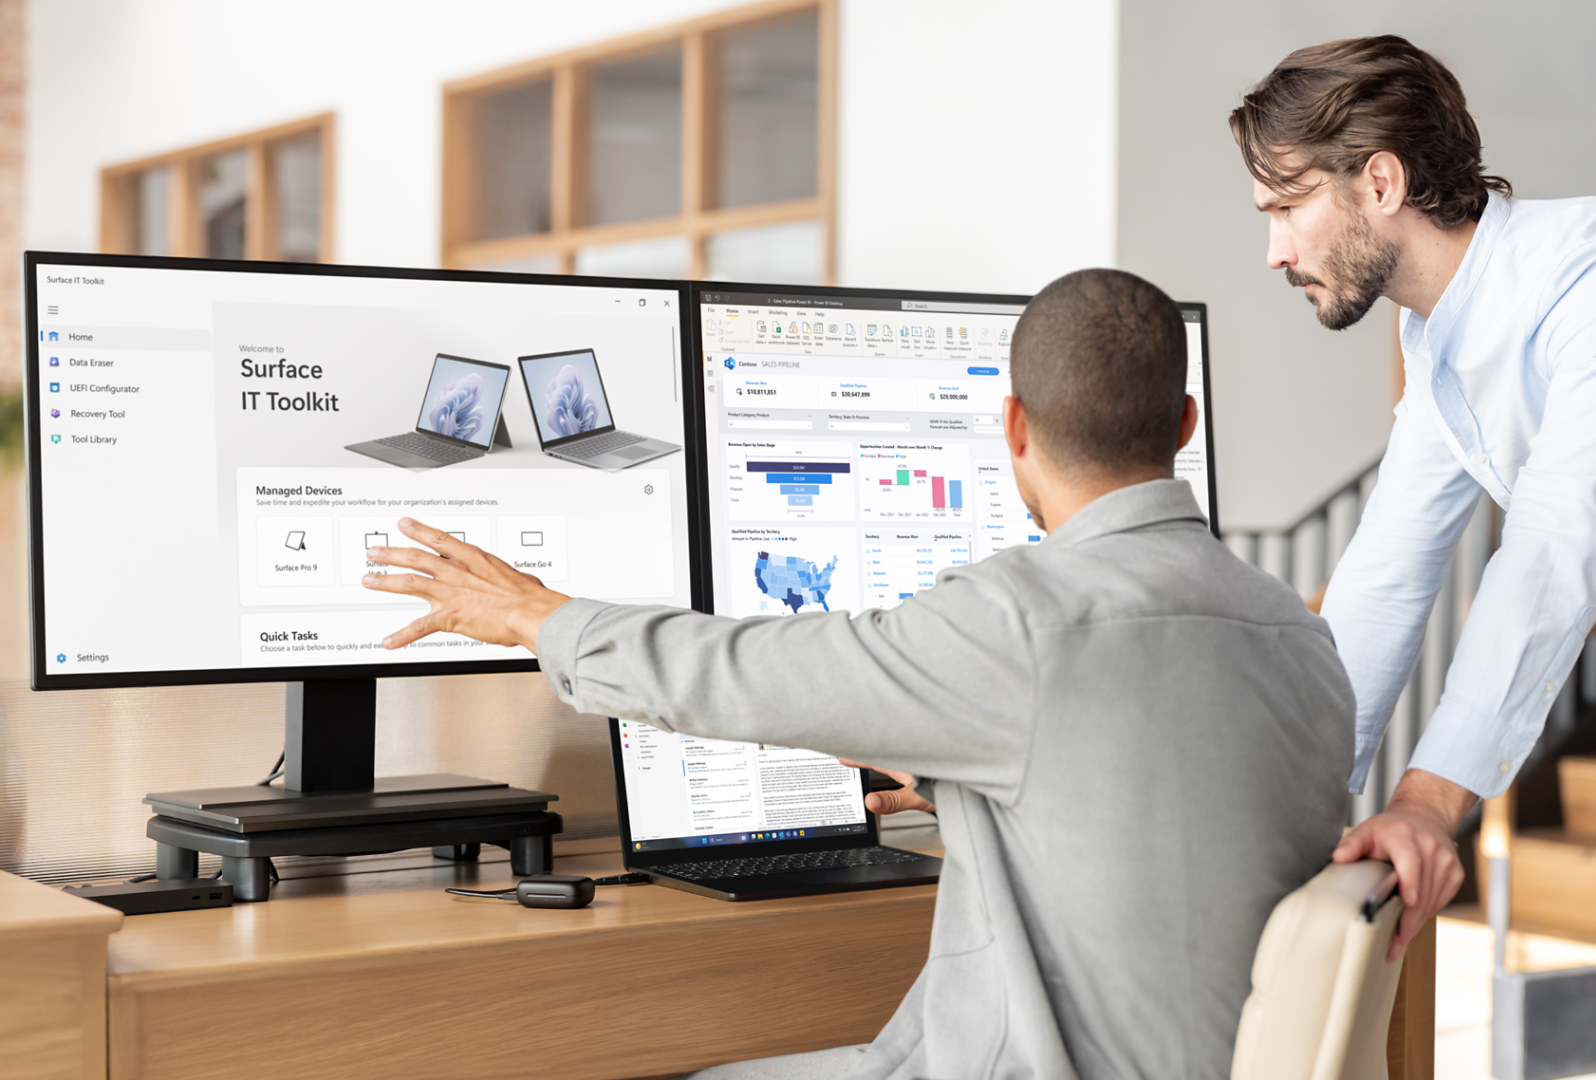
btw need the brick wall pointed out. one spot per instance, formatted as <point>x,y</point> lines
<point>13,85</point>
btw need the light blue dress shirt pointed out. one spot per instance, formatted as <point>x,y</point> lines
<point>1500,395</point>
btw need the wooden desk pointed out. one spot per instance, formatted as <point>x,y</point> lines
<point>383,975</point>
<point>52,988</point>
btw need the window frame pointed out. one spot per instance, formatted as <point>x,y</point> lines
<point>186,219</point>
<point>697,220</point>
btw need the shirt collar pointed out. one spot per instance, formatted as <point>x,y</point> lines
<point>1124,509</point>
<point>1457,292</point>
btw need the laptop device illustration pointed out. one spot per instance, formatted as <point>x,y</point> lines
<point>461,417</point>
<point>572,413</point>
<point>749,821</point>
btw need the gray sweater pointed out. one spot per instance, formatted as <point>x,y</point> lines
<point>1137,745</point>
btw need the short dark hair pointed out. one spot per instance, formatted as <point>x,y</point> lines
<point>1334,106</point>
<point>1099,362</point>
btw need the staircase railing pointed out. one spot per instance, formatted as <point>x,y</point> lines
<point>1305,554</point>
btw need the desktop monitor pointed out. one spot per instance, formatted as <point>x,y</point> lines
<point>851,447</point>
<point>853,442</point>
<point>198,513</point>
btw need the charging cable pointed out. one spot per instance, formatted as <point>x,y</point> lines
<point>624,879</point>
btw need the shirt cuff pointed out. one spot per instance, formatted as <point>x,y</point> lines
<point>1368,743</point>
<point>1474,750</point>
<point>558,640</point>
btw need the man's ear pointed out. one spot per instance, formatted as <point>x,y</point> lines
<point>1188,422</point>
<point>1387,179</point>
<point>1016,429</point>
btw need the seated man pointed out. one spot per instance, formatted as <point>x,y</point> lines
<point>1137,743</point>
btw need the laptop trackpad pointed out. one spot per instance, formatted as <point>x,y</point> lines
<point>632,452</point>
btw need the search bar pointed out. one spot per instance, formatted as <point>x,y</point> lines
<point>867,425</point>
<point>969,309</point>
<point>772,425</point>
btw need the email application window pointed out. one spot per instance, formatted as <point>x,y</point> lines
<point>686,791</point>
<point>855,448</point>
<point>196,431</point>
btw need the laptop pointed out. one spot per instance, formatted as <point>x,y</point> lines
<point>461,417</point>
<point>573,417</point>
<point>749,821</point>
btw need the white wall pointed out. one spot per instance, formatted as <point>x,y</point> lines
<point>113,80</point>
<point>977,142</point>
<point>945,179</point>
<point>1298,409</point>
<point>987,147</point>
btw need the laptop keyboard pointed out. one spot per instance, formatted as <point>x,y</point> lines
<point>780,864</point>
<point>429,448</point>
<point>601,444</point>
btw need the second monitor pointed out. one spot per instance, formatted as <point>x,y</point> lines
<point>853,442</point>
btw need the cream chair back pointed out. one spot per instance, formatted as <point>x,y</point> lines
<point>1322,991</point>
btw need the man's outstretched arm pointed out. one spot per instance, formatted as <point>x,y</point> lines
<point>939,687</point>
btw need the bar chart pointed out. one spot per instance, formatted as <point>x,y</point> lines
<point>798,482</point>
<point>770,481</point>
<point>925,482</point>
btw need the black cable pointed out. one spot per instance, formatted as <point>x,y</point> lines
<point>151,877</point>
<point>624,879</point>
<point>507,895</point>
<point>276,770</point>
<point>208,877</point>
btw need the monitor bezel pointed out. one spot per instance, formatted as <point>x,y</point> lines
<point>33,261</point>
<point>493,429</point>
<point>537,424</point>
<point>1208,412</point>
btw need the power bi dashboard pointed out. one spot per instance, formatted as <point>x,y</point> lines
<point>854,445</point>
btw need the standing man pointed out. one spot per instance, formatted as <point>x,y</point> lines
<point>1368,165</point>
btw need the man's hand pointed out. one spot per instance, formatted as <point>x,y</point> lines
<point>471,592</point>
<point>892,802</point>
<point>1415,836</point>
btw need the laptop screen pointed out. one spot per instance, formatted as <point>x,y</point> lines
<point>463,399</point>
<point>683,791</point>
<point>567,394</point>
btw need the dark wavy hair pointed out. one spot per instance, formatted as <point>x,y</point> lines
<point>1333,106</point>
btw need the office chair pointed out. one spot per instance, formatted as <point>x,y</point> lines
<point>1321,990</point>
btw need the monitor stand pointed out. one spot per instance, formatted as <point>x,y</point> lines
<point>331,804</point>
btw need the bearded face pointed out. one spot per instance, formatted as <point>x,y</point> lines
<point>1357,268</point>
